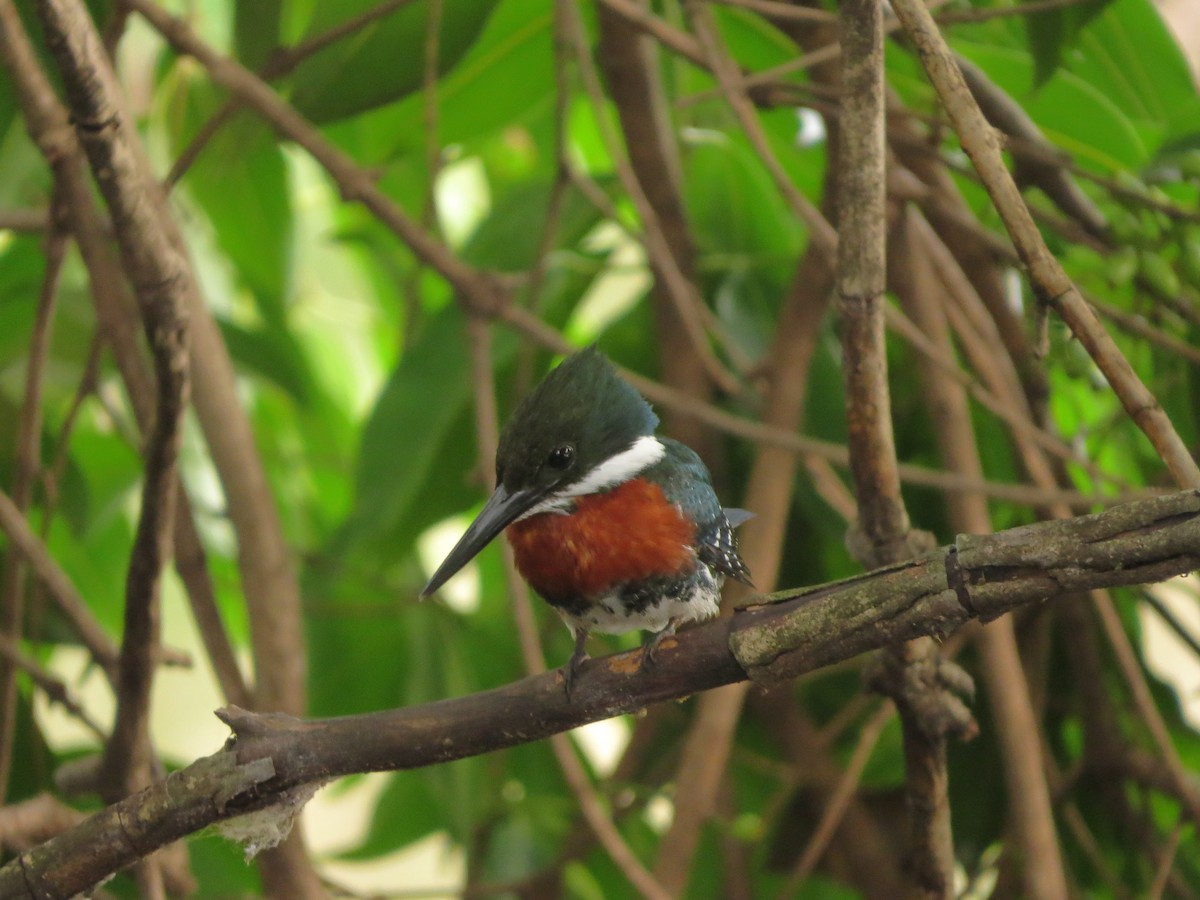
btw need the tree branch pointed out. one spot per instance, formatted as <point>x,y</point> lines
<point>779,638</point>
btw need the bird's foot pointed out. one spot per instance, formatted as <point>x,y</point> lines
<point>571,669</point>
<point>650,649</point>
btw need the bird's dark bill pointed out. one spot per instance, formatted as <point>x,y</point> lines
<point>501,510</point>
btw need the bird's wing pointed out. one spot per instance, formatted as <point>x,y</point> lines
<point>686,483</point>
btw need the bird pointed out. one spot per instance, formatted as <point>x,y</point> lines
<point>616,528</point>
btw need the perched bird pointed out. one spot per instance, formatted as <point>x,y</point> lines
<point>616,528</point>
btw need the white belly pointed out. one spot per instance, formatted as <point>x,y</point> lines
<point>609,617</point>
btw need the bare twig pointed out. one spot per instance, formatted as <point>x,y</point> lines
<point>882,533</point>
<point>153,256</point>
<point>526,323</point>
<point>768,494</point>
<point>59,585</point>
<point>1144,701</point>
<point>355,183</point>
<point>29,220</point>
<point>835,806</point>
<point>630,63</point>
<point>726,72</point>
<point>53,687</point>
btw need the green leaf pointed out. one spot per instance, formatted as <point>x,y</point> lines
<point>1072,112</point>
<point>383,61</point>
<point>256,30</point>
<point>1128,55</point>
<point>406,812</point>
<point>506,78</point>
<point>509,239</point>
<point>1054,30</point>
<point>241,182</point>
<point>274,354</point>
<point>404,436</point>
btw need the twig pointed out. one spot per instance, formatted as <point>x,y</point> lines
<point>1135,324</point>
<point>54,688</point>
<point>354,182</point>
<point>681,291</point>
<point>1028,8</point>
<point>836,804</point>
<point>1044,168</point>
<point>630,63</point>
<point>48,122</point>
<point>59,585</point>
<point>774,9</point>
<point>1049,280</point>
<point>838,454</point>
<point>1143,701</point>
<point>882,532</point>
<point>1180,630</point>
<point>710,738</point>
<point>265,560</point>
<point>24,220</point>
<point>28,823</point>
<point>1162,874</point>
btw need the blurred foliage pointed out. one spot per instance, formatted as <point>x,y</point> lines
<point>355,372</point>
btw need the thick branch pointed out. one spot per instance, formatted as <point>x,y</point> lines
<point>788,633</point>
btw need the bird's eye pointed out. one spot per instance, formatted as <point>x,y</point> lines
<point>561,456</point>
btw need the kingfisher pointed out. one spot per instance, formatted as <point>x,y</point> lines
<point>616,528</point>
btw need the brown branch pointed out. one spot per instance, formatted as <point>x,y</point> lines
<point>710,738</point>
<point>1050,282</point>
<point>354,182</point>
<point>1143,700</point>
<point>25,220</point>
<point>727,74</point>
<point>792,632</point>
<point>47,121</point>
<point>839,799</point>
<point>1047,172</point>
<point>774,9</point>
<point>155,270</point>
<point>882,534</point>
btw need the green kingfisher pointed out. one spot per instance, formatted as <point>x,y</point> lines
<point>616,528</point>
